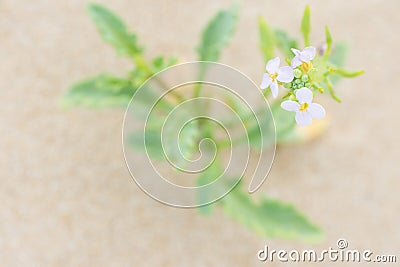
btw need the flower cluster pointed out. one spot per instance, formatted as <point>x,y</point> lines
<point>296,78</point>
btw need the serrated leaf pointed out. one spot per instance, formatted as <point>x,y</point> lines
<point>217,34</point>
<point>101,91</point>
<point>284,42</point>
<point>270,218</point>
<point>114,31</point>
<point>306,25</point>
<point>267,39</point>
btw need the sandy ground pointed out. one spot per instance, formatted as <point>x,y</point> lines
<point>67,198</point>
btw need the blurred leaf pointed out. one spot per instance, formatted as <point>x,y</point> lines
<point>337,58</point>
<point>217,34</point>
<point>161,62</point>
<point>338,55</point>
<point>101,91</point>
<point>328,41</point>
<point>306,25</point>
<point>114,31</point>
<point>206,177</point>
<point>254,130</point>
<point>284,42</point>
<point>180,147</point>
<point>188,139</point>
<point>152,139</point>
<point>267,39</point>
<point>270,218</point>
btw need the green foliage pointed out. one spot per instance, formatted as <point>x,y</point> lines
<point>267,39</point>
<point>338,54</point>
<point>328,37</point>
<point>217,34</point>
<point>206,177</point>
<point>269,218</point>
<point>101,91</point>
<point>106,90</point>
<point>284,42</point>
<point>149,142</point>
<point>215,37</point>
<point>306,25</point>
<point>114,31</point>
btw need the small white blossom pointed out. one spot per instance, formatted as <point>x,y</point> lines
<point>304,108</point>
<point>304,56</point>
<point>274,74</point>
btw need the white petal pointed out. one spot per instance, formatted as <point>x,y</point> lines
<point>316,110</point>
<point>285,74</point>
<point>273,65</point>
<point>290,105</point>
<point>304,95</point>
<point>308,54</point>
<point>296,61</point>
<point>303,118</point>
<point>266,81</point>
<point>274,89</point>
<point>296,51</point>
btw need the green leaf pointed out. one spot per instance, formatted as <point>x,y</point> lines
<point>328,37</point>
<point>267,39</point>
<point>284,42</point>
<point>337,58</point>
<point>152,139</point>
<point>206,177</point>
<point>101,91</point>
<point>306,25</point>
<point>114,31</point>
<point>270,218</point>
<point>338,55</point>
<point>217,34</point>
<point>161,62</point>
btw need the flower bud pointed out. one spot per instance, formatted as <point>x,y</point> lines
<point>304,78</point>
<point>297,73</point>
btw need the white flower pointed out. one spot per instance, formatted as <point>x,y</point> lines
<point>304,56</point>
<point>275,73</point>
<point>304,108</point>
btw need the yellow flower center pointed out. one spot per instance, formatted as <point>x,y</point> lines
<point>273,76</point>
<point>303,107</point>
<point>306,66</point>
